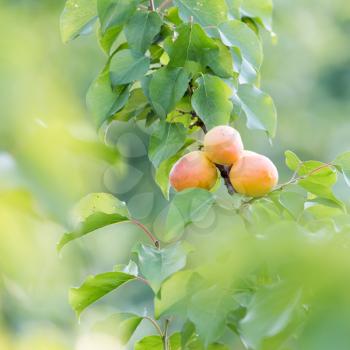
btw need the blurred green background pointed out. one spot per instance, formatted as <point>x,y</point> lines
<point>50,155</point>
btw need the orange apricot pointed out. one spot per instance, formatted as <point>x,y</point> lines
<point>223,145</point>
<point>193,170</point>
<point>253,175</point>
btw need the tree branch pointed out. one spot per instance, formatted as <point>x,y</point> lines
<point>164,4</point>
<point>155,324</point>
<point>151,5</point>
<point>165,335</point>
<point>154,240</point>
<point>225,174</point>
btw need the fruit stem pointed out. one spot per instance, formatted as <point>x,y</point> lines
<point>224,172</point>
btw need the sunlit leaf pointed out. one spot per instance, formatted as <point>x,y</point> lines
<point>95,287</point>
<point>209,14</point>
<point>155,342</point>
<point>93,212</point>
<point>260,10</point>
<point>292,160</point>
<point>108,38</point>
<point>78,18</point>
<point>235,33</point>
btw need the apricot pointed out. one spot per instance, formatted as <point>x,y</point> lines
<point>253,175</point>
<point>193,170</point>
<point>223,145</point>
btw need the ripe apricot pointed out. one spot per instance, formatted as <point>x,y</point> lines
<point>253,175</point>
<point>223,145</point>
<point>193,170</point>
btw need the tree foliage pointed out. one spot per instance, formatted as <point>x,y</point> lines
<point>181,67</point>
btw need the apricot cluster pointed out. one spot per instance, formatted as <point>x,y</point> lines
<point>250,173</point>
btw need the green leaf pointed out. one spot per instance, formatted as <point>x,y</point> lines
<point>115,12</point>
<point>166,140</point>
<point>127,67</point>
<point>131,268</point>
<point>158,264</point>
<point>294,202</point>
<point>102,100</point>
<point>237,34</point>
<point>187,333</point>
<point>258,107</point>
<point>167,86</point>
<point>208,310</point>
<point>108,38</point>
<point>135,106</point>
<point>269,313</point>
<point>176,292</point>
<point>122,325</point>
<point>207,13</point>
<point>172,300</point>
<point>186,207</point>
<point>92,223</point>
<point>292,160</point>
<point>211,101</point>
<point>192,47</point>
<point>94,288</point>
<point>220,61</point>
<point>141,30</point>
<point>342,162</point>
<point>319,178</point>
<point>95,211</point>
<point>78,18</point>
<point>154,342</point>
<point>259,9</point>
<point>234,7</point>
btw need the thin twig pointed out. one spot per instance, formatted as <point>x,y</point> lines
<point>143,280</point>
<point>151,5</point>
<point>155,324</point>
<point>154,240</point>
<point>294,179</point>
<point>165,335</point>
<point>164,4</point>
